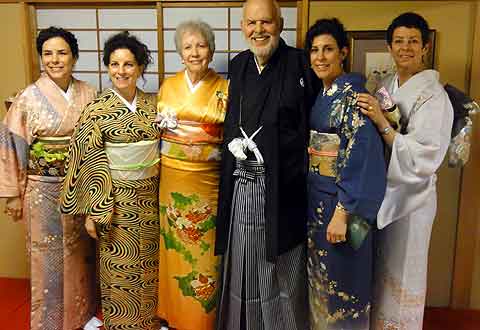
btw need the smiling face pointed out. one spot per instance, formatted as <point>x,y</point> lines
<point>326,58</point>
<point>407,49</point>
<point>124,71</point>
<point>195,53</point>
<point>58,61</point>
<point>261,27</point>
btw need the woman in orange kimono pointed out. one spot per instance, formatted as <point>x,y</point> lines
<point>191,109</point>
<point>34,139</point>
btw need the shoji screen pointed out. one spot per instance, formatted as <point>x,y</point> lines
<point>93,25</point>
<point>225,22</point>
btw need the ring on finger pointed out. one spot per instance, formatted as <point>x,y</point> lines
<point>370,108</point>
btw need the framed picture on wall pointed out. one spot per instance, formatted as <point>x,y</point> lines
<point>369,55</point>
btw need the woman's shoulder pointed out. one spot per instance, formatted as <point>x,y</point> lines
<point>83,85</point>
<point>352,82</point>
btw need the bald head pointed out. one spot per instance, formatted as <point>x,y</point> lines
<point>272,5</point>
<point>262,24</point>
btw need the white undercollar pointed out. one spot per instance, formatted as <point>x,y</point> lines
<point>131,106</point>
<point>259,67</point>
<point>190,84</point>
<point>68,94</point>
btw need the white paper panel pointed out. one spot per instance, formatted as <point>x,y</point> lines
<point>87,62</point>
<point>169,40</point>
<point>147,37</point>
<point>237,42</point>
<point>152,67</point>
<point>127,18</point>
<point>150,85</point>
<point>87,40</point>
<point>235,17</point>
<point>67,18</point>
<point>290,37</point>
<point>173,63</point>
<point>289,17</point>
<point>216,17</point>
<point>220,62</point>
<point>221,40</point>
<point>91,78</point>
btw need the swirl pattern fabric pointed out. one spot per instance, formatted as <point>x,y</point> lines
<point>126,212</point>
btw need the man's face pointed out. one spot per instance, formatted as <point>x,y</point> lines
<point>261,28</point>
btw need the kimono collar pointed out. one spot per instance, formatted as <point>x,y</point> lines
<point>192,88</point>
<point>415,91</point>
<point>131,106</point>
<point>68,94</point>
<point>54,94</point>
<point>356,80</point>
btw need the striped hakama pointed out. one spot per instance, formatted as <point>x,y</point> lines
<point>257,294</point>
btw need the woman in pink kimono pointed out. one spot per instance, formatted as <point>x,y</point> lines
<point>416,152</point>
<point>34,140</point>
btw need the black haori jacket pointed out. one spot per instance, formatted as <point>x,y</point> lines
<point>283,143</point>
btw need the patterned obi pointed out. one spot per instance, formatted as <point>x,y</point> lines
<point>193,141</point>
<point>47,156</point>
<point>323,152</point>
<point>133,161</point>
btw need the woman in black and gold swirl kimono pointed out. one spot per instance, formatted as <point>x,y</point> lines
<point>112,177</point>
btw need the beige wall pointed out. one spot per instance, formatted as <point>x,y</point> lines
<point>452,55</point>
<point>13,261</point>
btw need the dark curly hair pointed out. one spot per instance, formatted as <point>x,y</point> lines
<point>124,40</point>
<point>409,20</point>
<point>331,26</point>
<point>54,32</point>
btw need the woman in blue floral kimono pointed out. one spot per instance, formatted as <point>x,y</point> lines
<point>346,185</point>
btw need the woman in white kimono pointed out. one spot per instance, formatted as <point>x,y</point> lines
<point>416,152</point>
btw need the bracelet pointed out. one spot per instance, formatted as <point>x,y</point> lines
<point>341,208</point>
<point>386,130</point>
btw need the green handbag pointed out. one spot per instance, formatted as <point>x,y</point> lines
<point>357,230</point>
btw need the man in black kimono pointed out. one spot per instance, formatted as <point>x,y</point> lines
<point>261,222</point>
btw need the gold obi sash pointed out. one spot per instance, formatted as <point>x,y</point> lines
<point>47,156</point>
<point>133,161</point>
<point>323,152</point>
<point>194,142</point>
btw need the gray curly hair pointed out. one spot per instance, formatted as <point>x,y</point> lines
<point>195,26</point>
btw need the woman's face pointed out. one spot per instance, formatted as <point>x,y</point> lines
<point>124,71</point>
<point>407,48</point>
<point>57,60</point>
<point>195,53</point>
<point>326,58</point>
